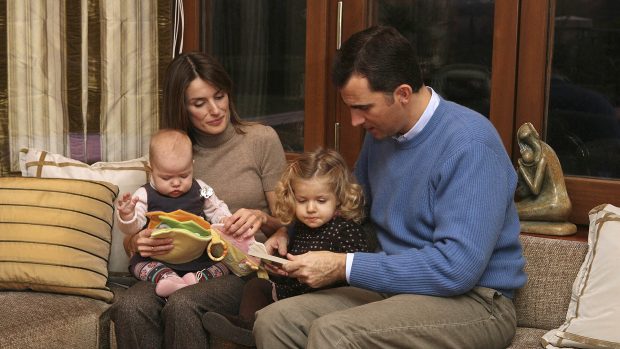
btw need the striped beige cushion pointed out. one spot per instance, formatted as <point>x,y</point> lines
<point>55,235</point>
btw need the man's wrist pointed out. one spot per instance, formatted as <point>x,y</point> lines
<point>342,266</point>
<point>349,265</point>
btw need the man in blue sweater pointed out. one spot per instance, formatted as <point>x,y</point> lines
<point>439,186</point>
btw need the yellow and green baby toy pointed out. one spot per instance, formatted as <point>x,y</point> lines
<point>193,235</point>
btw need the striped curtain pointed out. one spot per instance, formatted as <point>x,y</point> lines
<point>81,78</point>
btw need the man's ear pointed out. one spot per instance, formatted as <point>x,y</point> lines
<point>402,93</point>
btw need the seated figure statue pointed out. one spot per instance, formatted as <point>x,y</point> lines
<point>541,197</point>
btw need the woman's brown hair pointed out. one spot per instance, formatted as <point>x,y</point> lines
<point>184,69</point>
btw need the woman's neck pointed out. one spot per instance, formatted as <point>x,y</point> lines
<point>206,140</point>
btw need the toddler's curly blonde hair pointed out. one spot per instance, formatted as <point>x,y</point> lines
<point>324,163</point>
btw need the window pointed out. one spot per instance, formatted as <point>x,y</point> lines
<point>567,46</point>
<point>262,45</point>
<point>502,58</point>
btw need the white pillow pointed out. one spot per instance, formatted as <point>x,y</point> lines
<point>593,317</point>
<point>127,175</point>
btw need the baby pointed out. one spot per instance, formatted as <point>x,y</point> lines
<point>172,187</point>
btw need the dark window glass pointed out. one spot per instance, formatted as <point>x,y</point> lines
<point>454,41</point>
<point>262,44</point>
<point>583,117</point>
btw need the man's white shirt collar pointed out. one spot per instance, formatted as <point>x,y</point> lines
<point>424,118</point>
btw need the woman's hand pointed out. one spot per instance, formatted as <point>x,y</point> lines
<point>147,246</point>
<point>244,223</point>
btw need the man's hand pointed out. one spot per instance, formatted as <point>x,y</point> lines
<point>317,268</point>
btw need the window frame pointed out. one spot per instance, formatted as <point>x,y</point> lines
<point>521,69</point>
<point>535,55</point>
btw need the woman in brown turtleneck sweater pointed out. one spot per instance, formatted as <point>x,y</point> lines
<point>242,162</point>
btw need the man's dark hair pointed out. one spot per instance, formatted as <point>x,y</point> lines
<point>381,55</point>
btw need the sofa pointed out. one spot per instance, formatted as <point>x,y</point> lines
<point>47,320</point>
<point>58,320</point>
<point>65,318</point>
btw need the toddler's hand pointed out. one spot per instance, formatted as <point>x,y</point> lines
<point>278,242</point>
<point>276,269</point>
<point>126,205</point>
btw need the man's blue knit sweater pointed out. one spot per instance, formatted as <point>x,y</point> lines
<point>443,207</point>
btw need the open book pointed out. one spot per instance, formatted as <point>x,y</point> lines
<point>257,249</point>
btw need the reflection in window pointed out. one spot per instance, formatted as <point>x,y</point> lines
<point>583,119</point>
<point>454,40</point>
<point>262,45</point>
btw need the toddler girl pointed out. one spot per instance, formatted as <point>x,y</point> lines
<point>319,196</point>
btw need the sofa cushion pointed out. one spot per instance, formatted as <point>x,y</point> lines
<point>128,176</point>
<point>551,265</point>
<point>55,235</point>
<point>45,320</point>
<point>592,319</point>
<point>526,338</point>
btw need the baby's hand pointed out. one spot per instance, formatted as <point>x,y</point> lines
<point>126,206</point>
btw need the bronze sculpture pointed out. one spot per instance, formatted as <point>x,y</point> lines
<point>541,197</point>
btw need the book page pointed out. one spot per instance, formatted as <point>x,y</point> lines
<point>257,249</point>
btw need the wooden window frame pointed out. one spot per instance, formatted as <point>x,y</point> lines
<point>521,68</point>
<point>534,71</point>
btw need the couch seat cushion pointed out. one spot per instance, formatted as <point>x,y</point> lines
<point>46,320</point>
<point>527,338</point>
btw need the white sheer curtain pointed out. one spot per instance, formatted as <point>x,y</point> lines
<point>129,105</point>
<point>92,93</point>
<point>36,92</point>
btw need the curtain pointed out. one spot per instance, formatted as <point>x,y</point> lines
<point>81,77</point>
